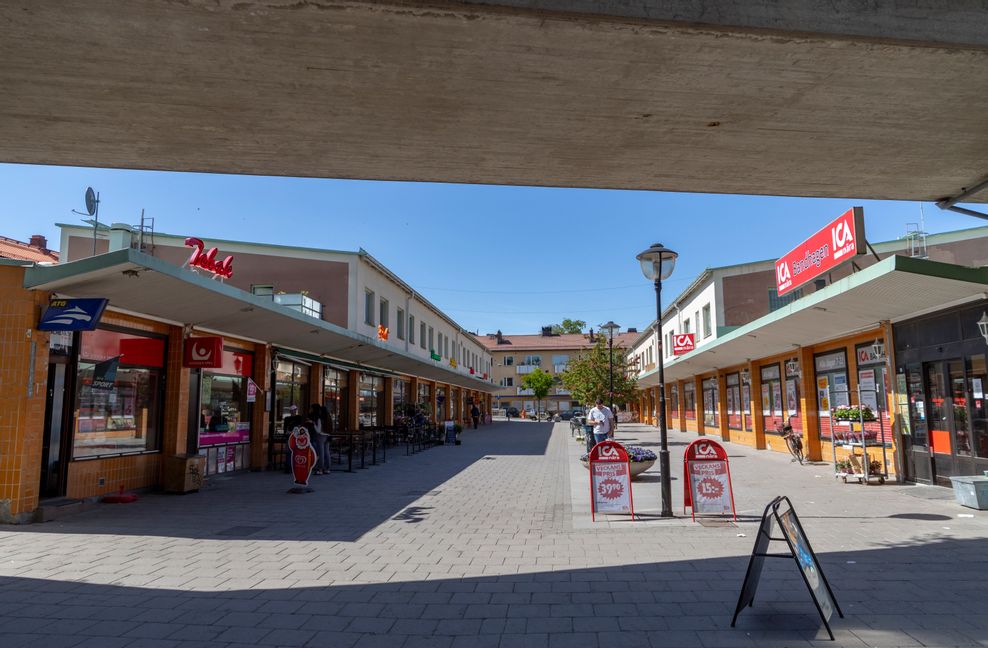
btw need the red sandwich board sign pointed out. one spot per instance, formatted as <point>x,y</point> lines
<point>834,245</point>
<point>682,343</point>
<point>707,479</point>
<point>610,480</point>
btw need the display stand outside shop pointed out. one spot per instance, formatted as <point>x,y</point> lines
<point>852,434</point>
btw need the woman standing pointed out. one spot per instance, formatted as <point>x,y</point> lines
<point>320,438</point>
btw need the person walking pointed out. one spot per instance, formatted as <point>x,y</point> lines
<point>601,418</point>
<point>320,438</point>
<point>475,415</point>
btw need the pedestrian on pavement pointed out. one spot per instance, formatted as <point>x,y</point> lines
<point>320,437</point>
<point>601,418</point>
<point>475,415</point>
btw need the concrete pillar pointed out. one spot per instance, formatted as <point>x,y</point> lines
<point>725,428</point>
<point>757,420</point>
<point>808,409</point>
<point>260,419</point>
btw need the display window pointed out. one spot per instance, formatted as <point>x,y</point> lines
<point>792,412</point>
<point>673,402</point>
<point>746,401</point>
<point>402,404</point>
<point>711,399</point>
<point>441,404</point>
<point>425,395</point>
<point>873,383</point>
<point>335,391</point>
<point>832,386</point>
<point>370,400</point>
<point>772,403</point>
<point>291,393</point>
<point>120,393</point>
<point>733,401</point>
<point>689,401</point>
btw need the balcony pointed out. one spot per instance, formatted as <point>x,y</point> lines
<point>559,368</point>
<point>301,303</point>
<point>562,391</point>
<point>525,369</point>
<point>525,392</point>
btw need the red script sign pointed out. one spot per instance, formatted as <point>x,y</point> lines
<point>682,343</point>
<point>610,479</point>
<point>207,260</point>
<point>835,244</point>
<point>707,487</point>
<point>203,352</point>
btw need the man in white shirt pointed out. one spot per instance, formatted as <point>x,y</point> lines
<point>602,420</point>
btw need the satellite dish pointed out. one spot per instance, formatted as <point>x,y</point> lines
<point>90,201</point>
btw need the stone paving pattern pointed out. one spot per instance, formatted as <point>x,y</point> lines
<point>490,544</point>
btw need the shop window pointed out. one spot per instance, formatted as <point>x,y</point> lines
<point>369,307</point>
<point>119,394</point>
<point>291,393</point>
<point>977,378</point>
<point>734,401</point>
<point>224,414</point>
<point>425,395</point>
<point>335,390</point>
<point>772,404</point>
<point>707,329</point>
<point>711,398</point>
<point>400,324</point>
<point>689,401</point>
<point>674,400</point>
<point>831,385</point>
<point>401,401</point>
<point>371,400</point>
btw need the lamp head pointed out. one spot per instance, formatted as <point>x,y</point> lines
<point>610,327</point>
<point>983,326</point>
<point>657,262</point>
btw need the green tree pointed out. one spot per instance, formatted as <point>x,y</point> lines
<point>569,326</point>
<point>540,383</point>
<point>587,377</point>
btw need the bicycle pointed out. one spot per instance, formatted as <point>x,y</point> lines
<point>794,440</point>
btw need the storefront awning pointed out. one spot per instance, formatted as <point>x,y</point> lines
<point>894,289</point>
<point>144,285</point>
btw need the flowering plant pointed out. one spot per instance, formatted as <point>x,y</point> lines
<point>636,454</point>
<point>845,413</point>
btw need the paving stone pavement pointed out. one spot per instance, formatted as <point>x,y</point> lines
<point>490,544</point>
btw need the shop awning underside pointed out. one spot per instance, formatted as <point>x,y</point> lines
<point>895,289</point>
<point>144,285</point>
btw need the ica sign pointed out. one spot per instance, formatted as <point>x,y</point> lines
<point>830,247</point>
<point>682,343</point>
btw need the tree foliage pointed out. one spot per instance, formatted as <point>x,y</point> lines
<point>540,383</point>
<point>569,326</point>
<point>587,376</point>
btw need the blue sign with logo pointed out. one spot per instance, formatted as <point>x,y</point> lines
<point>72,315</point>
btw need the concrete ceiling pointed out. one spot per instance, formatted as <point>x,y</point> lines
<point>757,98</point>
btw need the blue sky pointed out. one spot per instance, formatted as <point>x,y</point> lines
<point>509,258</point>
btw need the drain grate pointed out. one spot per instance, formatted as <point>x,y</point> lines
<point>240,531</point>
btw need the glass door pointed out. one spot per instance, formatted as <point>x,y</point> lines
<point>949,419</point>
<point>53,450</point>
<point>919,461</point>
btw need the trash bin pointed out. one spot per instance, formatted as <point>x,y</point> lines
<point>184,473</point>
<point>971,491</point>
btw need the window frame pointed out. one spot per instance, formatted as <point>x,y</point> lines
<point>369,303</point>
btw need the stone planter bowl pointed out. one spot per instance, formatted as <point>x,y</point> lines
<point>637,467</point>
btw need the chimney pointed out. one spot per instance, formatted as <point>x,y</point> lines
<point>499,337</point>
<point>546,331</point>
<point>632,330</point>
<point>39,241</point>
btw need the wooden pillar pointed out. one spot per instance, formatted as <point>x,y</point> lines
<point>353,398</point>
<point>389,400</point>
<point>757,419</point>
<point>725,428</point>
<point>260,419</point>
<point>808,408</point>
<point>698,397</point>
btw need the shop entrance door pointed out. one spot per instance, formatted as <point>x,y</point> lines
<point>54,446</point>
<point>949,420</point>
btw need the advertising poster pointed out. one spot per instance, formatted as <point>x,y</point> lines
<point>611,487</point>
<point>711,492</point>
<point>251,391</point>
<point>746,398</point>
<point>777,398</point>
<point>792,403</point>
<point>766,404</point>
<point>823,395</point>
<point>841,396</point>
<point>866,380</point>
<point>807,563</point>
<point>105,375</point>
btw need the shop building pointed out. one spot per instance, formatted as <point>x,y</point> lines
<point>897,324</point>
<point>515,356</point>
<point>96,410</point>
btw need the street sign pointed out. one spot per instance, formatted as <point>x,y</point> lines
<point>707,484</point>
<point>610,480</point>
<point>682,343</point>
<point>799,549</point>
<point>72,314</point>
<point>834,245</point>
<point>203,352</point>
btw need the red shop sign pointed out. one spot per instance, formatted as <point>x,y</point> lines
<point>610,480</point>
<point>682,343</point>
<point>707,479</point>
<point>832,246</point>
<point>203,352</point>
<point>207,259</point>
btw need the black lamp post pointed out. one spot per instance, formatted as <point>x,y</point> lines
<point>610,327</point>
<point>657,264</point>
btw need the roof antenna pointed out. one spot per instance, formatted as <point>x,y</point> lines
<point>92,206</point>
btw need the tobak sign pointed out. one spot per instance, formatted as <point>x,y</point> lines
<point>203,352</point>
<point>682,343</point>
<point>832,246</point>
<point>610,480</point>
<point>707,483</point>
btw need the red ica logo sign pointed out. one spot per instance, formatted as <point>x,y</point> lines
<point>207,259</point>
<point>609,451</point>
<point>682,343</point>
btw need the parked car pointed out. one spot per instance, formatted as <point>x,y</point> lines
<point>513,412</point>
<point>566,414</point>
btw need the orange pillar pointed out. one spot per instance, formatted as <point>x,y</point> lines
<point>698,394</point>
<point>808,409</point>
<point>757,420</point>
<point>725,429</point>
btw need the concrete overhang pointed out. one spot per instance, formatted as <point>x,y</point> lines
<point>796,97</point>
<point>144,285</point>
<point>894,289</point>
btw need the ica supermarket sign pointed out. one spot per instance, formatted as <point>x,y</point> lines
<point>832,246</point>
<point>682,343</point>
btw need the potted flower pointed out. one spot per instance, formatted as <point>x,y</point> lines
<point>641,459</point>
<point>843,466</point>
<point>854,414</point>
<point>875,467</point>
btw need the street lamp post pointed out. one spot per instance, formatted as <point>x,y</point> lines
<point>610,327</point>
<point>657,264</point>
